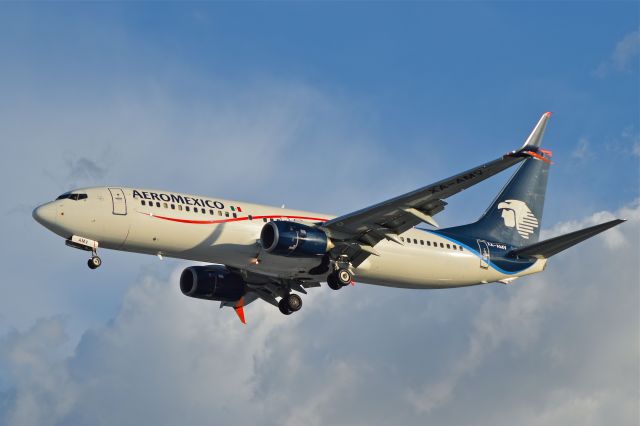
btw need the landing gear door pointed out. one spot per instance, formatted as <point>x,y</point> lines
<point>485,257</point>
<point>119,201</point>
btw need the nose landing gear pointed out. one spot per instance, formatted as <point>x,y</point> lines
<point>86,244</point>
<point>94,262</point>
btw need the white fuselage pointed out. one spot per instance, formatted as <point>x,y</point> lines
<point>227,232</point>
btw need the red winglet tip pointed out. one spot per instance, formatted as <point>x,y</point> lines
<point>353,283</point>
<point>240,311</point>
<point>548,113</point>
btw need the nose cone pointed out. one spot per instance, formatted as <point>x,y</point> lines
<point>45,215</point>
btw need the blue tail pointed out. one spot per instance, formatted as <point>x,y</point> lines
<point>515,215</point>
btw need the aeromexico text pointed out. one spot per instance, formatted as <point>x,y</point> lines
<point>179,199</point>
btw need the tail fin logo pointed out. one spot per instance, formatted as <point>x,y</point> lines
<point>517,214</point>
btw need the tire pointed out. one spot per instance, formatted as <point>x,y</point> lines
<point>344,276</point>
<point>90,264</point>
<point>293,302</point>
<point>332,281</point>
<point>282,305</point>
<point>95,261</point>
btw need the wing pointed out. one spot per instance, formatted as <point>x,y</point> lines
<point>360,231</point>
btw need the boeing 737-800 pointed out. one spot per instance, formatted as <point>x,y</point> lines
<point>270,253</point>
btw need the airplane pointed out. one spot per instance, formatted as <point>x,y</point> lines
<point>270,253</point>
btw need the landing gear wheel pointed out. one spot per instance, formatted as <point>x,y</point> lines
<point>344,276</point>
<point>293,302</point>
<point>290,304</point>
<point>332,281</point>
<point>282,305</point>
<point>94,262</point>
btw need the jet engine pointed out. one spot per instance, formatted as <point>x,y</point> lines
<point>214,282</point>
<point>294,239</point>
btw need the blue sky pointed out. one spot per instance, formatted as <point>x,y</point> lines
<point>327,107</point>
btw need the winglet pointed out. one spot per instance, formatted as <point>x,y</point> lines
<point>240,310</point>
<point>537,133</point>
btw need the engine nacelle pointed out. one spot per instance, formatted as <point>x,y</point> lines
<point>294,239</point>
<point>213,282</point>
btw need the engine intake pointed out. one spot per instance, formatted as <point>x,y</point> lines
<point>213,282</point>
<point>294,239</point>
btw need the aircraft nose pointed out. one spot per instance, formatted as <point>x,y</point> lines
<point>45,214</point>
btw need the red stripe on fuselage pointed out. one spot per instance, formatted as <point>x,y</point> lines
<point>233,219</point>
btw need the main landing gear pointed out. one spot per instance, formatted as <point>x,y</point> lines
<point>339,278</point>
<point>290,304</point>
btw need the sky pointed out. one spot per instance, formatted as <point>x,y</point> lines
<point>327,107</point>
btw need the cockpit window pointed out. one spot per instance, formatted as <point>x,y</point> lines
<point>70,196</point>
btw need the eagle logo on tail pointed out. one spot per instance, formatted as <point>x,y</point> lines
<point>517,214</point>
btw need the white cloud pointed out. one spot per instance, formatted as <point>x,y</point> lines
<point>516,321</point>
<point>624,56</point>
<point>550,349</point>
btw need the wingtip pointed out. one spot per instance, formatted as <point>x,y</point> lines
<point>240,312</point>
<point>239,308</point>
<point>535,138</point>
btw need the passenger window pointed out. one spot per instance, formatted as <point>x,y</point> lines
<point>429,243</point>
<point>250,217</point>
<point>219,212</point>
<point>402,239</point>
<point>449,246</point>
<point>157,203</point>
<point>186,208</point>
<point>264,219</point>
<point>461,248</point>
<point>173,206</point>
<point>226,214</point>
<point>202,211</point>
<point>165,205</point>
<point>235,215</point>
<point>142,202</point>
<point>211,212</point>
<point>415,241</point>
<point>441,245</point>
<point>421,242</point>
<point>179,207</point>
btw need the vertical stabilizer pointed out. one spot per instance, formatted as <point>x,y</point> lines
<point>515,215</point>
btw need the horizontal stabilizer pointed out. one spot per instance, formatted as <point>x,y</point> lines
<point>547,248</point>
